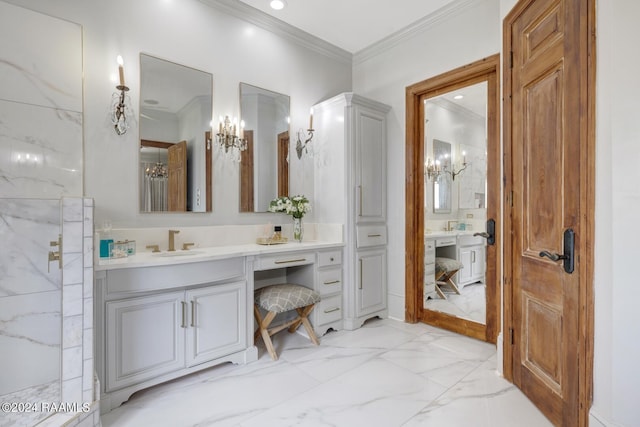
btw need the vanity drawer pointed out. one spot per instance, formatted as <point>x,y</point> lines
<point>329,258</point>
<point>446,241</point>
<point>372,235</point>
<point>470,240</point>
<point>330,281</point>
<point>329,309</point>
<point>292,259</point>
<point>147,279</point>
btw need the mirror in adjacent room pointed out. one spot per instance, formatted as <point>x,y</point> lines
<point>455,145</point>
<point>442,182</point>
<point>175,137</point>
<point>264,165</point>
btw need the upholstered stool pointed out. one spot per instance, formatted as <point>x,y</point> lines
<point>446,268</point>
<point>278,299</point>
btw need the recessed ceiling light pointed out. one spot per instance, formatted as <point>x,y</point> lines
<point>277,4</point>
<point>458,97</point>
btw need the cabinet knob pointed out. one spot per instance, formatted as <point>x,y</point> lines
<point>331,259</point>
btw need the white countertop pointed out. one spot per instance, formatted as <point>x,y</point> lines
<point>150,259</point>
<point>442,233</point>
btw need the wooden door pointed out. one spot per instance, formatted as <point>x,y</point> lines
<point>177,183</point>
<point>246,175</point>
<point>283,164</point>
<point>547,143</point>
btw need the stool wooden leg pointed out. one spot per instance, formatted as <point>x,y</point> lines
<point>303,312</point>
<point>263,327</point>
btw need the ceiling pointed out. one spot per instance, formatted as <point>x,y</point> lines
<point>352,25</point>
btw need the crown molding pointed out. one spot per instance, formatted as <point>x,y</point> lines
<point>411,30</point>
<point>260,19</point>
<point>452,106</point>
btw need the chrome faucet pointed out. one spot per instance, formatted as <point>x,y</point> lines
<point>172,240</point>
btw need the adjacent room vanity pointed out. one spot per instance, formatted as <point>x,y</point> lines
<point>163,315</point>
<point>463,246</point>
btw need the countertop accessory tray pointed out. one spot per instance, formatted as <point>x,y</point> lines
<point>270,241</point>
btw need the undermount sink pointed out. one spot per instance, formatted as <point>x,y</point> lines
<point>177,253</point>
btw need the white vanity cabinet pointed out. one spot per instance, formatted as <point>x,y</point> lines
<point>429,268</point>
<point>472,255</point>
<point>328,313</point>
<point>158,323</point>
<point>351,188</point>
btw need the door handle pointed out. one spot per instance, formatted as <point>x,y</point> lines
<point>569,249</point>
<point>490,234</point>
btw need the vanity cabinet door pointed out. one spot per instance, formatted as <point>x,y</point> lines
<point>464,275</point>
<point>474,260</point>
<point>216,321</point>
<point>145,338</point>
<point>371,280</point>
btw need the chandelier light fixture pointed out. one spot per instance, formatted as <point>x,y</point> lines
<point>228,136</point>
<point>440,166</point>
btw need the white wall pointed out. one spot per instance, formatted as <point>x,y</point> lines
<point>461,38</point>
<point>617,293</point>
<point>193,34</point>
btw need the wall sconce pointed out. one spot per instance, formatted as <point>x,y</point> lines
<point>300,145</point>
<point>228,137</point>
<point>435,169</point>
<point>120,103</point>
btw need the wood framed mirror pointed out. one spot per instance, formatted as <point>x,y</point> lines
<point>419,137</point>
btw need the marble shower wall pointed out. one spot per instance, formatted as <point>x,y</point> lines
<point>46,318</point>
<point>40,105</point>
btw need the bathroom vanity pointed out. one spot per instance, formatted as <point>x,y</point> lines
<point>164,315</point>
<point>463,246</point>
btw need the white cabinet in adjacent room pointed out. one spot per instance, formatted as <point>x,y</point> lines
<point>350,149</point>
<point>472,253</point>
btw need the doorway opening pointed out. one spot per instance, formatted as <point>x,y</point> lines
<point>440,188</point>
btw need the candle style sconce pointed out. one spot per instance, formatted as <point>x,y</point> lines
<point>120,110</point>
<point>304,140</point>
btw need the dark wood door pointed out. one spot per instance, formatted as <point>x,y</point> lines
<point>177,182</point>
<point>546,110</point>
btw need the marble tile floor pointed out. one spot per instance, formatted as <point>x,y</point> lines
<point>470,304</point>
<point>385,374</point>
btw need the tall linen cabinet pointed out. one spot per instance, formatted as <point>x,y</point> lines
<point>350,180</point>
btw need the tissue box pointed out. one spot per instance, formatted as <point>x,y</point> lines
<point>122,249</point>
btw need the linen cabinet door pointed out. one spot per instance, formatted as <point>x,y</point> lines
<point>145,338</point>
<point>216,321</point>
<point>371,166</point>
<point>371,280</point>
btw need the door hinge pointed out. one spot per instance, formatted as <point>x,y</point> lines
<point>511,198</point>
<point>511,336</point>
<point>510,59</point>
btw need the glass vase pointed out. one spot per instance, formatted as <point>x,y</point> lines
<point>298,229</point>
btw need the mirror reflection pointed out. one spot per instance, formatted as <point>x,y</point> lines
<point>264,165</point>
<point>455,144</point>
<point>442,182</point>
<point>175,137</point>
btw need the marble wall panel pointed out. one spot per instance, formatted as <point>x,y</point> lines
<point>40,59</point>
<point>26,228</point>
<point>40,151</point>
<point>30,340</point>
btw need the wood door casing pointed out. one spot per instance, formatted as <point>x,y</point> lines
<point>549,176</point>
<point>283,164</point>
<point>486,69</point>
<point>247,192</point>
<point>177,182</point>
